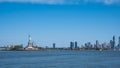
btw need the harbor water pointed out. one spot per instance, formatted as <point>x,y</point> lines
<point>59,59</point>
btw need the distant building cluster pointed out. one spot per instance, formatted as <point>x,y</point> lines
<point>73,46</point>
<point>97,45</point>
<point>29,46</point>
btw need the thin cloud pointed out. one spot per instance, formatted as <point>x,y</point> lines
<point>36,1</point>
<point>108,2</point>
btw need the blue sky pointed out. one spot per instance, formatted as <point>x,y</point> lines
<point>58,21</point>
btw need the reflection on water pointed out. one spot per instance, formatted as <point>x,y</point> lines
<point>59,59</point>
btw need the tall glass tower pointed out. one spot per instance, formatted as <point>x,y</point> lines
<point>113,45</point>
<point>119,42</point>
<point>76,44</point>
<point>71,45</point>
<point>54,45</point>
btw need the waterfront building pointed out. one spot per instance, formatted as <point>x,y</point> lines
<point>118,42</point>
<point>54,45</point>
<point>3,48</point>
<point>113,42</point>
<point>88,45</point>
<point>104,45</point>
<point>97,44</point>
<point>71,45</point>
<point>76,46</point>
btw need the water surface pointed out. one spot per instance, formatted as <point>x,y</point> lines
<point>59,59</point>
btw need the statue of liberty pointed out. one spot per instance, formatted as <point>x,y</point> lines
<point>29,38</point>
<point>29,41</point>
<point>30,44</point>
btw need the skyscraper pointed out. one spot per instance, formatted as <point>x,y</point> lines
<point>97,43</point>
<point>113,42</point>
<point>54,45</point>
<point>71,45</point>
<point>76,44</point>
<point>119,42</point>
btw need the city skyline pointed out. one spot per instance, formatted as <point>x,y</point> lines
<point>59,23</point>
